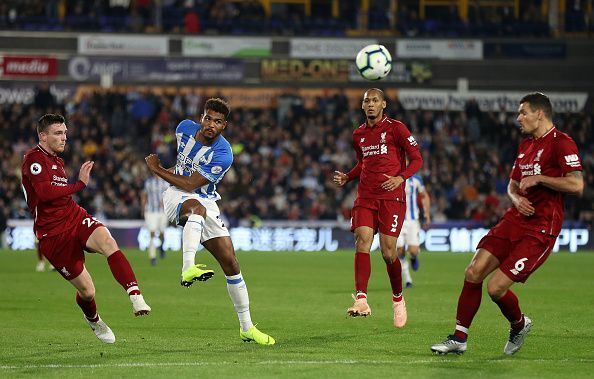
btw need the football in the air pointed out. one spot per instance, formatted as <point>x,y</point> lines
<point>374,62</point>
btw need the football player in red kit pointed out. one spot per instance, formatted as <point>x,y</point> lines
<point>382,145</point>
<point>547,167</point>
<point>65,230</point>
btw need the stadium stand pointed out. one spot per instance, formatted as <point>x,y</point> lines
<point>315,18</point>
<point>284,157</point>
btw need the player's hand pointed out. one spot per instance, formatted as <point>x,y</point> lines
<point>85,172</point>
<point>392,183</point>
<point>529,181</point>
<point>152,161</point>
<point>340,178</point>
<point>523,205</point>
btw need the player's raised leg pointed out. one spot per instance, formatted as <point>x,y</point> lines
<point>192,215</point>
<point>363,241</point>
<point>482,264</point>
<point>222,249</point>
<point>85,298</point>
<point>102,242</point>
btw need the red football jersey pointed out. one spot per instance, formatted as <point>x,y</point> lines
<point>382,149</point>
<point>48,193</point>
<point>554,154</point>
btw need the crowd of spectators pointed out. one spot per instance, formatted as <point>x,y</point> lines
<point>284,157</point>
<point>250,17</point>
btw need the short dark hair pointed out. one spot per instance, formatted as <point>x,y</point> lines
<point>539,101</point>
<point>46,120</point>
<point>218,105</point>
<point>379,91</point>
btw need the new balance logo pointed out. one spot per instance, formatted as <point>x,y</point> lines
<point>54,167</point>
<point>65,272</point>
<point>521,156</point>
<point>572,160</point>
<point>412,141</point>
<point>362,140</point>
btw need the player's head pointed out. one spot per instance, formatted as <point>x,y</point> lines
<point>535,111</point>
<point>374,104</point>
<point>214,118</point>
<point>51,129</point>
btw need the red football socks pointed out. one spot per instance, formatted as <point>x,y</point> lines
<point>122,272</point>
<point>395,273</point>
<point>468,304</point>
<point>510,308</point>
<point>89,308</point>
<point>362,272</point>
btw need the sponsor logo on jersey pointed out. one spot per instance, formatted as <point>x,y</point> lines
<point>374,150</point>
<point>572,160</point>
<point>216,169</point>
<point>59,181</point>
<point>35,168</point>
<point>537,169</point>
<point>412,141</point>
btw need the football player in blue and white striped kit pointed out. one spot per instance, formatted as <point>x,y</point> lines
<point>203,158</point>
<point>154,215</point>
<point>409,235</point>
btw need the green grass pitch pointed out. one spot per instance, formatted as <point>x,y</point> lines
<point>300,299</point>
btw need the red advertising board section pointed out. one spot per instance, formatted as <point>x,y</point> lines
<point>28,66</point>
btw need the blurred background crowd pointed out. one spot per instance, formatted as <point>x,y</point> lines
<point>283,157</point>
<point>321,17</point>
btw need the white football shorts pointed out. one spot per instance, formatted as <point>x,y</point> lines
<point>173,198</point>
<point>409,235</point>
<point>155,221</point>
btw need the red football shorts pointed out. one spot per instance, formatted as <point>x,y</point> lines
<point>519,251</point>
<point>66,251</point>
<point>386,216</point>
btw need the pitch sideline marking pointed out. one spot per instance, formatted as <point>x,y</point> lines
<point>193,364</point>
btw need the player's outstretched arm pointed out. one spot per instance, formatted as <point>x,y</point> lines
<point>186,183</point>
<point>572,182</point>
<point>523,205</point>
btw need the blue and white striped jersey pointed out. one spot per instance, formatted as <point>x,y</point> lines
<point>414,186</point>
<point>212,161</point>
<point>154,188</point>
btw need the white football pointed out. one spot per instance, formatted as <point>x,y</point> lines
<point>374,62</point>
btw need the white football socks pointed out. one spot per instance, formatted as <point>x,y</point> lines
<point>405,270</point>
<point>152,249</point>
<point>241,301</point>
<point>191,240</point>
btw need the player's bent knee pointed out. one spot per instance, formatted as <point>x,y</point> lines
<point>473,275</point>
<point>87,294</point>
<point>496,292</point>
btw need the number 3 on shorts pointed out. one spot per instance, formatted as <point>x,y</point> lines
<point>395,224</point>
